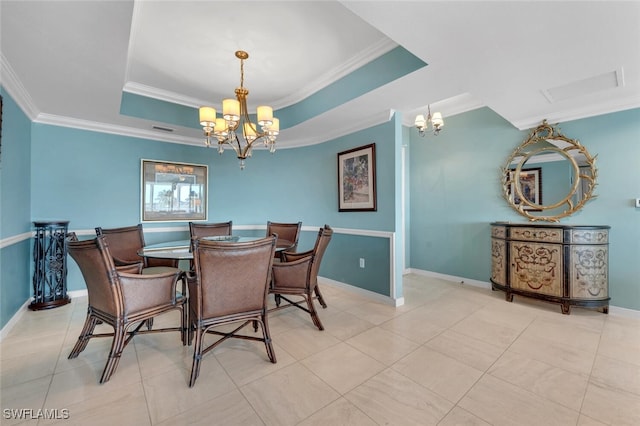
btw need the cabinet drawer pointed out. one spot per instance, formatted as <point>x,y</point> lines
<point>498,232</point>
<point>590,236</point>
<point>547,235</point>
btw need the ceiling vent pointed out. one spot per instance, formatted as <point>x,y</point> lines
<point>163,129</point>
<point>598,83</point>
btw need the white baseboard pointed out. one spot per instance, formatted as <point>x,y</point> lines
<point>613,310</point>
<point>363,292</point>
<point>452,278</point>
<point>14,319</point>
<point>25,307</point>
<point>624,312</point>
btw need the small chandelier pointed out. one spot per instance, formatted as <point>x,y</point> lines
<point>436,121</point>
<point>234,116</point>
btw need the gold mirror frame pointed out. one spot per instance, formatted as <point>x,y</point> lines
<point>511,182</point>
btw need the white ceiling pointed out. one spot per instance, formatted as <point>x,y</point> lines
<point>68,63</point>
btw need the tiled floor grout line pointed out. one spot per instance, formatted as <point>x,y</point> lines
<point>595,357</point>
<point>536,325</point>
<point>486,371</point>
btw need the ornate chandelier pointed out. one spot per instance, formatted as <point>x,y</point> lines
<point>436,121</point>
<point>235,115</point>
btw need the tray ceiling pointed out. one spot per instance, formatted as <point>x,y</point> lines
<point>75,63</point>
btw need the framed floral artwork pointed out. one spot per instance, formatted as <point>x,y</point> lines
<point>357,179</point>
<point>531,185</point>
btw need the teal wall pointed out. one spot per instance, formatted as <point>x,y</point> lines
<point>455,193</point>
<point>98,181</point>
<point>15,163</point>
<point>452,194</point>
<point>99,185</point>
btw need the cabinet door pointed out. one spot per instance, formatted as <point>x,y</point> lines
<point>536,267</point>
<point>498,261</point>
<point>588,275</point>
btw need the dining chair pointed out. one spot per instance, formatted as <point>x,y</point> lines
<point>297,275</point>
<point>288,235</point>
<point>125,301</point>
<point>210,229</point>
<point>228,285</point>
<point>198,230</point>
<point>124,244</point>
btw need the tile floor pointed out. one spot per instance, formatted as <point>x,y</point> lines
<point>452,355</point>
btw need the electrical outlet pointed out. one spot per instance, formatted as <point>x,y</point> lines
<point>362,262</point>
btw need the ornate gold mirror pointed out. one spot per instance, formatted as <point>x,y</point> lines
<point>567,167</point>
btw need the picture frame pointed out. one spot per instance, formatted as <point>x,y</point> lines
<point>531,184</point>
<point>357,179</point>
<point>173,192</point>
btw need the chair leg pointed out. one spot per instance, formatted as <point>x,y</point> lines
<point>191,326</point>
<point>278,299</point>
<point>312,310</point>
<point>119,337</point>
<point>320,298</point>
<point>149,324</point>
<point>197,356</point>
<point>86,333</point>
<point>184,326</point>
<point>267,339</point>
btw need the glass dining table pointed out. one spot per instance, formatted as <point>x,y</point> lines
<point>181,249</point>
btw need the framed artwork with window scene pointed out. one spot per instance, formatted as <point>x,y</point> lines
<point>173,191</point>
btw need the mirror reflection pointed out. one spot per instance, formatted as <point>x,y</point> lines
<point>549,176</point>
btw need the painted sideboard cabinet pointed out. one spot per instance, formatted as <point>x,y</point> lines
<point>565,264</point>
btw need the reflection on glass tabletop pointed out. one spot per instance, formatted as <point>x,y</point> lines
<point>181,249</point>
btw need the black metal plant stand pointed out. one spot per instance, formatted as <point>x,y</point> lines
<point>50,265</point>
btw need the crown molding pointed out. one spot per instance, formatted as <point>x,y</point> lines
<point>16,89</point>
<point>95,126</point>
<point>374,51</point>
<point>56,120</point>
<point>364,57</point>
<point>161,94</point>
<point>355,126</point>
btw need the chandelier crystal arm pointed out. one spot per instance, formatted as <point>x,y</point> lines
<point>236,122</point>
<point>233,142</point>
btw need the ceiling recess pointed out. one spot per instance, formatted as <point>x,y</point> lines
<point>598,83</point>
